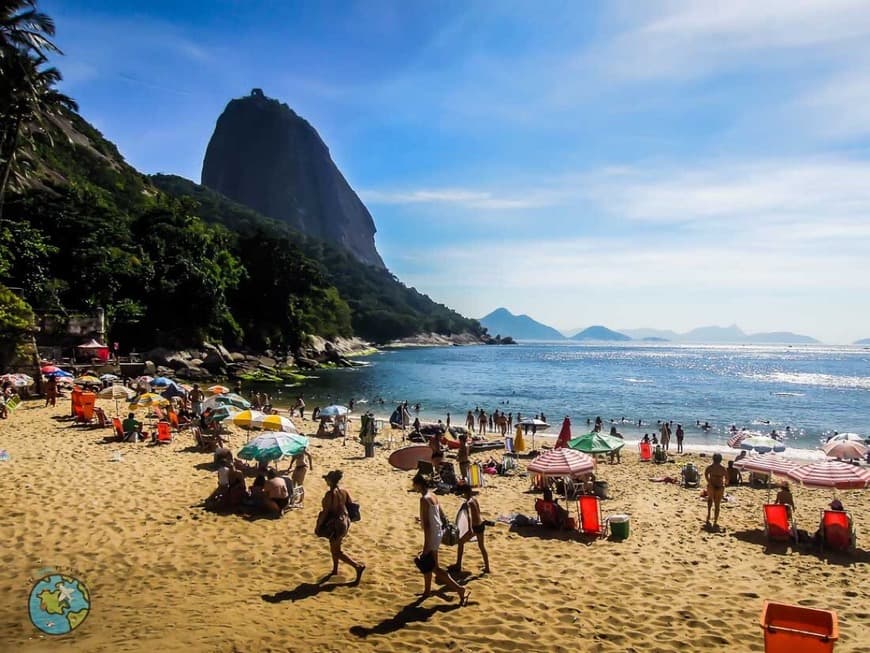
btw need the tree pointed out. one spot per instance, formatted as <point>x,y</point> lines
<point>28,98</point>
<point>16,323</point>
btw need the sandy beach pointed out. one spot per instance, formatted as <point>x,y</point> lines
<point>165,575</point>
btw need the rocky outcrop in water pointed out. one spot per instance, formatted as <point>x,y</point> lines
<point>262,154</point>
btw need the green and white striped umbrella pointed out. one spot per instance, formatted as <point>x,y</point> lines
<point>226,400</point>
<point>272,446</point>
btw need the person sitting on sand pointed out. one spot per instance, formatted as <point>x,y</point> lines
<point>258,491</point>
<point>132,429</point>
<point>551,514</point>
<point>734,475</point>
<point>276,495</point>
<point>716,477</point>
<point>785,497</point>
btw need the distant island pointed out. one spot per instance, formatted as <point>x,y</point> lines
<point>600,333</point>
<point>863,341</point>
<point>523,327</point>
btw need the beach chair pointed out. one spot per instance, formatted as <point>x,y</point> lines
<point>164,433</point>
<point>85,408</point>
<point>590,519</point>
<point>102,420</point>
<point>476,476</point>
<point>645,451</point>
<point>173,419</point>
<point>660,456</point>
<point>837,530</point>
<point>12,403</point>
<point>778,525</point>
<point>548,513</point>
<point>119,429</point>
<point>295,492</point>
<point>206,443</point>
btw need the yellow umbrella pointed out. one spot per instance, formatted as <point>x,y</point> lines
<point>150,399</point>
<point>278,423</point>
<point>87,379</point>
<point>519,443</point>
<point>248,419</point>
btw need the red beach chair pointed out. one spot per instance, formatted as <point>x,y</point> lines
<point>836,530</point>
<point>591,522</point>
<point>119,429</point>
<point>85,409</point>
<point>645,449</point>
<point>164,434</point>
<point>778,525</point>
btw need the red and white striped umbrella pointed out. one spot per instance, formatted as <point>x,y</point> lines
<point>766,463</point>
<point>845,449</point>
<point>562,462</point>
<point>831,474</point>
<point>735,440</point>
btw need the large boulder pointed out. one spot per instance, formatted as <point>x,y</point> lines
<point>215,363</point>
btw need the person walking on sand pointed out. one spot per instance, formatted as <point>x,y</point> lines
<point>300,469</point>
<point>51,392</point>
<point>431,523</point>
<point>469,422</point>
<point>478,527</point>
<point>680,435</point>
<point>300,406</point>
<point>482,421</point>
<point>196,397</point>
<point>717,477</point>
<point>333,523</point>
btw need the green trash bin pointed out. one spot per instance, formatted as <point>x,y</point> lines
<point>619,526</point>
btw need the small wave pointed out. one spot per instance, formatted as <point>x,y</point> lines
<point>789,394</point>
<point>633,380</point>
<point>808,378</point>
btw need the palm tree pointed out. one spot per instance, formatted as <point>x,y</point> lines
<point>24,29</point>
<point>31,108</point>
<point>28,99</point>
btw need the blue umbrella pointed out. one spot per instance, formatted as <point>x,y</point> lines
<point>162,382</point>
<point>58,373</point>
<point>173,390</point>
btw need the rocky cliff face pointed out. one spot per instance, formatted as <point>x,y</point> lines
<point>265,156</point>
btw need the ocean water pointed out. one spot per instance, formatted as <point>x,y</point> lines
<point>815,390</point>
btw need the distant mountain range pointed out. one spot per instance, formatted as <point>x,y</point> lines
<point>522,327</point>
<point>864,341</point>
<point>519,327</point>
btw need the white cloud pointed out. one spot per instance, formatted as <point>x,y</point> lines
<point>464,198</point>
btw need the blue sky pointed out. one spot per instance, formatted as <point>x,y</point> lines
<point>658,164</point>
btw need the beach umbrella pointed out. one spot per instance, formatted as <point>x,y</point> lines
<point>278,423</point>
<point>145,380</point>
<point>831,474</point>
<point>87,379</point>
<point>162,382</point>
<point>539,425</point>
<point>149,399</point>
<point>218,389</point>
<point>845,449</point>
<point>761,444</point>
<point>766,463</point>
<point>105,378</point>
<point>851,437</point>
<point>272,446</point>
<point>18,380</point>
<point>562,462</point>
<point>564,434</point>
<point>117,392</point>
<point>221,413</point>
<point>173,390</point>
<point>226,400</point>
<point>49,369</point>
<point>59,373</point>
<point>593,443</point>
<point>248,418</point>
<point>333,411</point>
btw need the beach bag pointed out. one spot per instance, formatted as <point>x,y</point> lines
<point>425,563</point>
<point>449,532</point>
<point>326,528</point>
<point>353,510</point>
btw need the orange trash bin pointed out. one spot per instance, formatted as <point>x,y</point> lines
<point>792,628</point>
